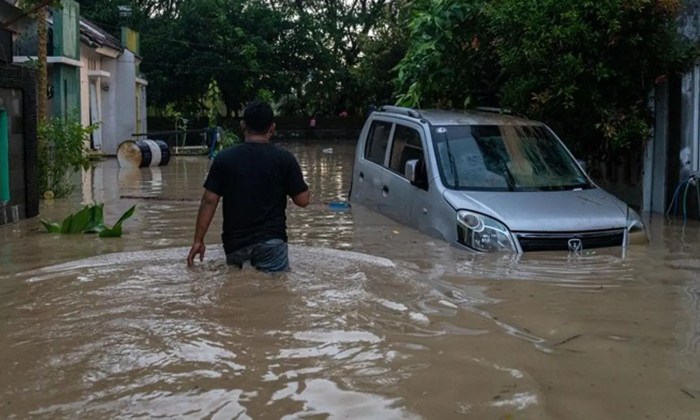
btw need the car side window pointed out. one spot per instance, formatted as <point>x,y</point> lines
<point>406,146</point>
<point>377,141</point>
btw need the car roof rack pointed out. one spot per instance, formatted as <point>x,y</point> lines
<point>502,111</point>
<point>400,110</point>
<point>494,110</point>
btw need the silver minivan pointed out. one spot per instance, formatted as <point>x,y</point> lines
<point>485,181</point>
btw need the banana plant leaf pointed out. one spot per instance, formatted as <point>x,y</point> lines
<point>90,219</point>
<point>77,222</point>
<point>113,232</point>
<point>65,224</point>
<point>125,216</point>
<point>116,230</point>
<point>51,227</point>
<point>96,222</point>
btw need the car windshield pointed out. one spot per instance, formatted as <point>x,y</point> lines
<point>505,158</point>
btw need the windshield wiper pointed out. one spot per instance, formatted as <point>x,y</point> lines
<point>510,180</point>
<point>580,186</point>
<point>508,175</point>
<point>451,159</point>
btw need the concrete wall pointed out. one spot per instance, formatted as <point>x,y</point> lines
<point>26,43</point>
<point>109,109</point>
<point>656,155</point>
<point>92,62</point>
<point>677,125</point>
<point>119,102</point>
<point>66,90</point>
<point>66,30</point>
<point>18,99</point>
<point>125,102</point>
<point>86,56</point>
<point>142,114</point>
<point>689,24</point>
<point>690,149</point>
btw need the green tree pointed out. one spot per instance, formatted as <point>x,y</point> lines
<point>229,41</point>
<point>381,51</point>
<point>585,67</point>
<point>333,36</point>
<point>450,62</point>
<point>309,56</point>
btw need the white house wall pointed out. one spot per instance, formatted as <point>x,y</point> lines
<point>86,54</point>
<point>118,102</point>
<point>655,156</point>
<point>125,90</point>
<point>141,86</point>
<point>110,110</point>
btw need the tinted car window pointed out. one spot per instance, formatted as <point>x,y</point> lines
<point>406,146</point>
<point>377,142</point>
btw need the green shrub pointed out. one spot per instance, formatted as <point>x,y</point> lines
<point>61,153</point>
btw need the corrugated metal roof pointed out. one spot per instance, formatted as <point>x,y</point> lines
<point>92,33</point>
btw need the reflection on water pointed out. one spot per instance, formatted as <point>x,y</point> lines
<point>374,321</point>
<point>145,181</point>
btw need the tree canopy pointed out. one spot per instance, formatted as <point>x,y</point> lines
<point>587,67</point>
<point>310,56</point>
<point>584,66</point>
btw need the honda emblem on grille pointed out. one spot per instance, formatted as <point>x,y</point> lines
<point>575,245</point>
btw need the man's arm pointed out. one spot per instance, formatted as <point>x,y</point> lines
<point>207,209</point>
<point>302,199</point>
<point>295,186</point>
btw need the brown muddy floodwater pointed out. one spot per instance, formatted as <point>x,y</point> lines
<point>374,320</point>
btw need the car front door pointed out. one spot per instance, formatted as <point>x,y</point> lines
<point>404,200</point>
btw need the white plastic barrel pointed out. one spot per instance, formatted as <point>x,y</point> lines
<point>143,153</point>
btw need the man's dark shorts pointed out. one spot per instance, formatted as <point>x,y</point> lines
<point>269,256</point>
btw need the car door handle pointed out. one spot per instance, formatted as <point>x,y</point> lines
<point>362,175</point>
<point>385,190</point>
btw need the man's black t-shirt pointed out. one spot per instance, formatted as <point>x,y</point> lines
<point>254,180</point>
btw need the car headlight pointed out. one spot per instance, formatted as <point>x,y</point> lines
<point>483,233</point>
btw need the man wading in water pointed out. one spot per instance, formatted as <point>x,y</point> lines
<point>254,179</point>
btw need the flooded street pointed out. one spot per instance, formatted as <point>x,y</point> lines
<point>374,321</point>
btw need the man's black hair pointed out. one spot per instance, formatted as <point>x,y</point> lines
<point>258,117</point>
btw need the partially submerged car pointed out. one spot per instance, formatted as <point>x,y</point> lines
<point>485,181</point>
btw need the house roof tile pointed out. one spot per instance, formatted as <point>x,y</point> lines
<point>92,33</point>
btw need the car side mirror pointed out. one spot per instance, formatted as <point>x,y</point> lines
<point>410,170</point>
<point>414,171</point>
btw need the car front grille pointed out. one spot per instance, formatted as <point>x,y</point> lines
<point>543,241</point>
